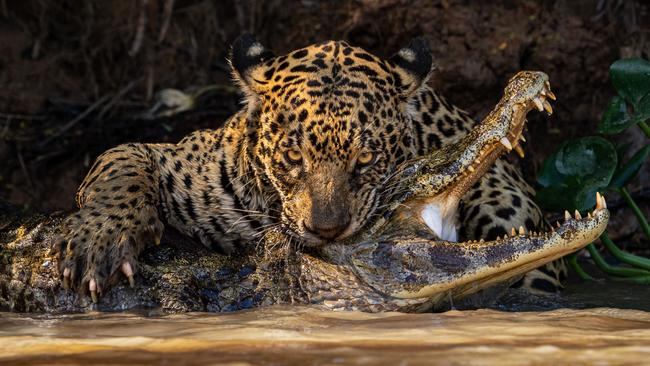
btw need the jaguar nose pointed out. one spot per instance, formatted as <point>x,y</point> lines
<point>329,229</point>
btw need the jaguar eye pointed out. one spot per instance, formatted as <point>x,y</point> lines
<point>366,158</point>
<point>293,156</point>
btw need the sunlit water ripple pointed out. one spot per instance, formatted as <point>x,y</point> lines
<point>312,336</point>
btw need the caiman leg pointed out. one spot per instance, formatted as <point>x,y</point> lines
<point>402,258</point>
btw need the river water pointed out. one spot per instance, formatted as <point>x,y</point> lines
<point>608,325</point>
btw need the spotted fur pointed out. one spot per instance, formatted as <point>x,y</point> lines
<point>321,130</point>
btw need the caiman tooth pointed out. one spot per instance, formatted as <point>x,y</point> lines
<point>513,231</point>
<point>498,238</point>
<point>481,241</point>
<point>520,151</point>
<point>604,202</point>
<point>588,214</point>
<point>548,91</point>
<point>538,103</point>
<point>567,215</point>
<point>551,95</point>
<point>599,201</point>
<point>471,169</point>
<point>577,215</point>
<point>506,143</point>
<point>548,107</point>
<point>557,223</point>
<point>522,231</point>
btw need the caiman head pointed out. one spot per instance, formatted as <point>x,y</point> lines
<point>409,259</point>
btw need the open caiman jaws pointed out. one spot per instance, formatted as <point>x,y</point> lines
<point>403,262</point>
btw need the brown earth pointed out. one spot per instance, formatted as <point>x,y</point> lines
<point>79,77</point>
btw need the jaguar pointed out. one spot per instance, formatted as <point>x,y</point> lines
<point>320,134</point>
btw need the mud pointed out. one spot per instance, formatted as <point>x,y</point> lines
<point>60,58</point>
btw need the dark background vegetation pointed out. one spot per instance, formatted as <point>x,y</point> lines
<point>78,77</point>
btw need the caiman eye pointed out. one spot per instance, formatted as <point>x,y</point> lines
<point>366,158</point>
<point>293,156</point>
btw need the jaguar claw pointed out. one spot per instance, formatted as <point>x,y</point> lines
<point>66,278</point>
<point>92,286</point>
<point>128,272</point>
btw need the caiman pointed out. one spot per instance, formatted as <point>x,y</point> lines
<point>396,263</point>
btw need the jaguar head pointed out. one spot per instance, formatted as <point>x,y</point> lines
<point>330,123</point>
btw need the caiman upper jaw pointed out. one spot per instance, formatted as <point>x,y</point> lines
<point>440,189</point>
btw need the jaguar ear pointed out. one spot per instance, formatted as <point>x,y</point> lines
<point>247,59</point>
<point>413,65</point>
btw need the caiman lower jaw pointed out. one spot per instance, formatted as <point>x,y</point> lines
<point>487,263</point>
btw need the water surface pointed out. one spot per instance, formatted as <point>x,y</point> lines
<point>304,335</point>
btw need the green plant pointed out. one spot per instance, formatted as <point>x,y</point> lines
<point>570,177</point>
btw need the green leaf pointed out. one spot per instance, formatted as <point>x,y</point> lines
<point>616,117</point>
<point>548,175</point>
<point>622,148</point>
<point>589,158</point>
<point>642,109</point>
<point>625,173</point>
<point>631,78</point>
<point>557,198</point>
<point>571,176</point>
